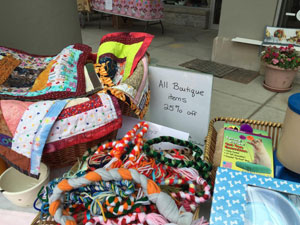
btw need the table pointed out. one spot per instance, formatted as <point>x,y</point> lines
<point>150,11</point>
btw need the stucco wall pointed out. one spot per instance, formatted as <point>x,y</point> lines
<point>246,19</point>
<point>39,26</point>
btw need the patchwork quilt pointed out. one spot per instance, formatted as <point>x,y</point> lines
<point>122,65</point>
<point>32,77</point>
<point>29,128</point>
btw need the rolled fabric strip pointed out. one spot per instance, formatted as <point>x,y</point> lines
<point>165,204</point>
<point>202,166</point>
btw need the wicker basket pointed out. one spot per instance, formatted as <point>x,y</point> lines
<point>126,110</point>
<point>273,130</point>
<point>38,221</point>
<point>69,156</point>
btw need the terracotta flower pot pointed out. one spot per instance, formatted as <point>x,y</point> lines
<point>278,79</point>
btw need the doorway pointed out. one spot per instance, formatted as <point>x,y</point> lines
<point>215,14</point>
<point>287,15</point>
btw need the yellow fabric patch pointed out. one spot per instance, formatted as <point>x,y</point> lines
<point>40,82</point>
<point>121,51</point>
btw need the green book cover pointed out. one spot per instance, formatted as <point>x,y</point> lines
<point>249,152</point>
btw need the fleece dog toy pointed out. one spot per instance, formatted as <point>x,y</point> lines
<point>165,204</point>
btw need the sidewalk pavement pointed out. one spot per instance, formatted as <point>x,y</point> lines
<point>181,44</point>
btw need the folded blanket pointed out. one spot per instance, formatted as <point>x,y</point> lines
<point>128,48</point>
<point>53,125</point>
<point>134,90</point>
<point>62,75</point>
<point>15,108</point>
<point>90,119</point>
<point>122,65</point>
<point>33,130</point>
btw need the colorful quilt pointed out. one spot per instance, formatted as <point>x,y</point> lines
<point>53,125</point>
<point>122,65</point>
<point>62,76</point>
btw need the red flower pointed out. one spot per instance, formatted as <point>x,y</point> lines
<point>267,55</point>
<point>283,49</point>
<point>290,46</point>
<point>275,54</point>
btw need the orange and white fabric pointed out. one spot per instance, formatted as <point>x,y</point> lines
<point>165,204</point>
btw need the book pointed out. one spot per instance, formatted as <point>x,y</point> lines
<point>93,76</point>
<point>244,151</point>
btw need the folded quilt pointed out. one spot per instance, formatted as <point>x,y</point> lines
<point>53,125</point>
<point>84,120</point>
<point>122,65</point>
<point>35,77</point>
<point>33,129</point>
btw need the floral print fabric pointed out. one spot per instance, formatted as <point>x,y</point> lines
<point>22,77</point>
<point>139,9</point>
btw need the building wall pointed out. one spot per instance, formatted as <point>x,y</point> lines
<point>246,19</point>
<point>186,16</point>
<point>39,26</point>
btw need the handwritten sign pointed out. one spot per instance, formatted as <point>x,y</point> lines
<point>155,130</point>
<point>181,100</point>
<point>108,4</point>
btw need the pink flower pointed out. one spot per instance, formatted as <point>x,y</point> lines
<point>282,49</point>
<point>291,48</point>
<point>275,61</point>
<point>289,59</point>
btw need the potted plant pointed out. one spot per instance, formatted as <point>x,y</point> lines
<point>281,67</point>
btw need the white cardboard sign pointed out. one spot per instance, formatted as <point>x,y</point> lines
<point>181,99</point>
